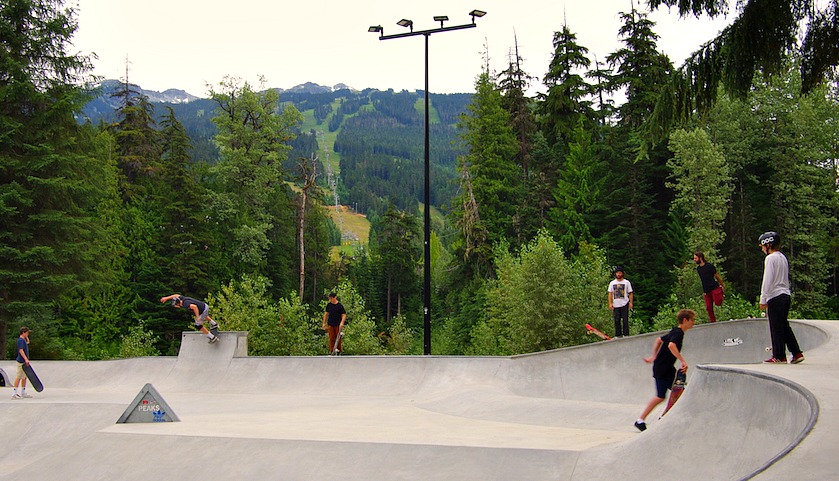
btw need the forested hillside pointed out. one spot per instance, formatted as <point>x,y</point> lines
<point>378,150</point>
<point>535,200</point>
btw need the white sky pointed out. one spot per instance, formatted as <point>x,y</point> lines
<point>188,44</point>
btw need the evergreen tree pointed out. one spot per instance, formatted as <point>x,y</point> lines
<point>759,40</point>
<point>50,187</point>
<point>398,247</point>
<point>514,82</point>
<point>637,202</point>
<point>137,140</point>
<point>187,237</point>
<point>491,189</point>
<point>567,101</point>
<point>577,192</point>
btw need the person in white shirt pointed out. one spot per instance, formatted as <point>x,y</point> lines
<point>775,300</point>
<point>620,302</point>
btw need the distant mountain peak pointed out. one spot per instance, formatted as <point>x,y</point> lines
<point>313,88</point>
<point>172,96</point>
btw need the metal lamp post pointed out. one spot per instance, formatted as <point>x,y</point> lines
<point>427,196</point>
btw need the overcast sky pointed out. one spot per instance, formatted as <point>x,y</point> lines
<point>188,44</point>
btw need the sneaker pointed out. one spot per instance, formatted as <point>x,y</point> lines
<point>17,396</point>
<point>797,358</point>
<point>775,360</point>
<point>213,325</point>
<point>641,425</point>
<point>25,396</point>
<point>213,340</point>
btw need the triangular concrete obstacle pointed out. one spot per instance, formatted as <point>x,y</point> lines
<point>148,407</point>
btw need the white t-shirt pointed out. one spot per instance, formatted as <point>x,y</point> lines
<point>775,277</point>
<point>620,290</point>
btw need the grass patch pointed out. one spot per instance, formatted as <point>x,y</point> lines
<point>354,227</point>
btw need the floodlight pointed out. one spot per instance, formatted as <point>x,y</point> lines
<point>477,14</point>
<point>406,23</point>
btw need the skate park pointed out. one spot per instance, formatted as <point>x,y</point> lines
<point>565,414</point>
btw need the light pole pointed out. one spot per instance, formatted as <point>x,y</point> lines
<point>427,196</point>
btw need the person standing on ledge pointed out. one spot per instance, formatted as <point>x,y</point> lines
<point>334,319</point>
<point>775,300</point>
<point>620,302</point>
<point>199,310</point>
<point>712,284</point>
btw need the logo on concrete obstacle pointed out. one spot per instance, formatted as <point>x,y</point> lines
<point>148,407</point>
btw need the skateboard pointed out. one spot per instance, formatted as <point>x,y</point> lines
<point>592,330</point>
<point>214,331</point>
<point>335,351</point>
<point>33,378</point>
<point>676,391</point>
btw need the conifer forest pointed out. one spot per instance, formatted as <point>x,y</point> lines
<point>624,160</point>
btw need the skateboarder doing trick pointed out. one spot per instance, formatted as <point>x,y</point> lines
<point>22,360</point>
<point>200,310</point>
<point>666,350</point>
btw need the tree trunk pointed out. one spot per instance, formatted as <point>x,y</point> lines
<point>309,173</point>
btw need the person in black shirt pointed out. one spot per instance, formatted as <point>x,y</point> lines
<point>666,350</point>
<point>712,284</point>
<point>333,321</point>
<point>199,310</point>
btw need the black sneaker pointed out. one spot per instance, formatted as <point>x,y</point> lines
<point>213,340</point>
<point>641,425</point>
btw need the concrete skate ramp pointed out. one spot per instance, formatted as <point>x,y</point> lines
<point>565,414</point>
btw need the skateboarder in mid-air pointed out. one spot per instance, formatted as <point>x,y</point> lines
<point>666,351</point>
<point>200,310</point>
<point>22,360</point>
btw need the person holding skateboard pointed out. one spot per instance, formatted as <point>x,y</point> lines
<point>775,300</point>
<point>22,360</point>
<point>712,285</point>
<point>620,302</point>
<point>334,319</point>
<point>666,350</point>
<point>199,310</point>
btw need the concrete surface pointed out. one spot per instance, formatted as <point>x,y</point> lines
<point>559,415</point>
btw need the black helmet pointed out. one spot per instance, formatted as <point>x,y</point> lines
<point>175,300</point>
<point>618,269</point>
<point>772,238</point>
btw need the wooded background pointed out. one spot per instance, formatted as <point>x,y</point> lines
<point>627,161</point>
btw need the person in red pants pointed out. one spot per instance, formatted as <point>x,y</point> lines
<point>333,321</point>
<point>712,284</point>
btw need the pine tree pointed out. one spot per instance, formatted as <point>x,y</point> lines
<point>759,40</point>
<point>491,189</point>
<point>637,202</point>
<point>187,237</point>
<point>577,192</point>
<point>49,189</point>
<point>568,98</point>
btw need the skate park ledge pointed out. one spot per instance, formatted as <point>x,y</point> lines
<point>231,344</point>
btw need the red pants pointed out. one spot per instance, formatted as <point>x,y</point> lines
<point>332,331</point>
<point>713,298</point>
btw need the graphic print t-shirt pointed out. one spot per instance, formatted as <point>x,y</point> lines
<point>620,292</point>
